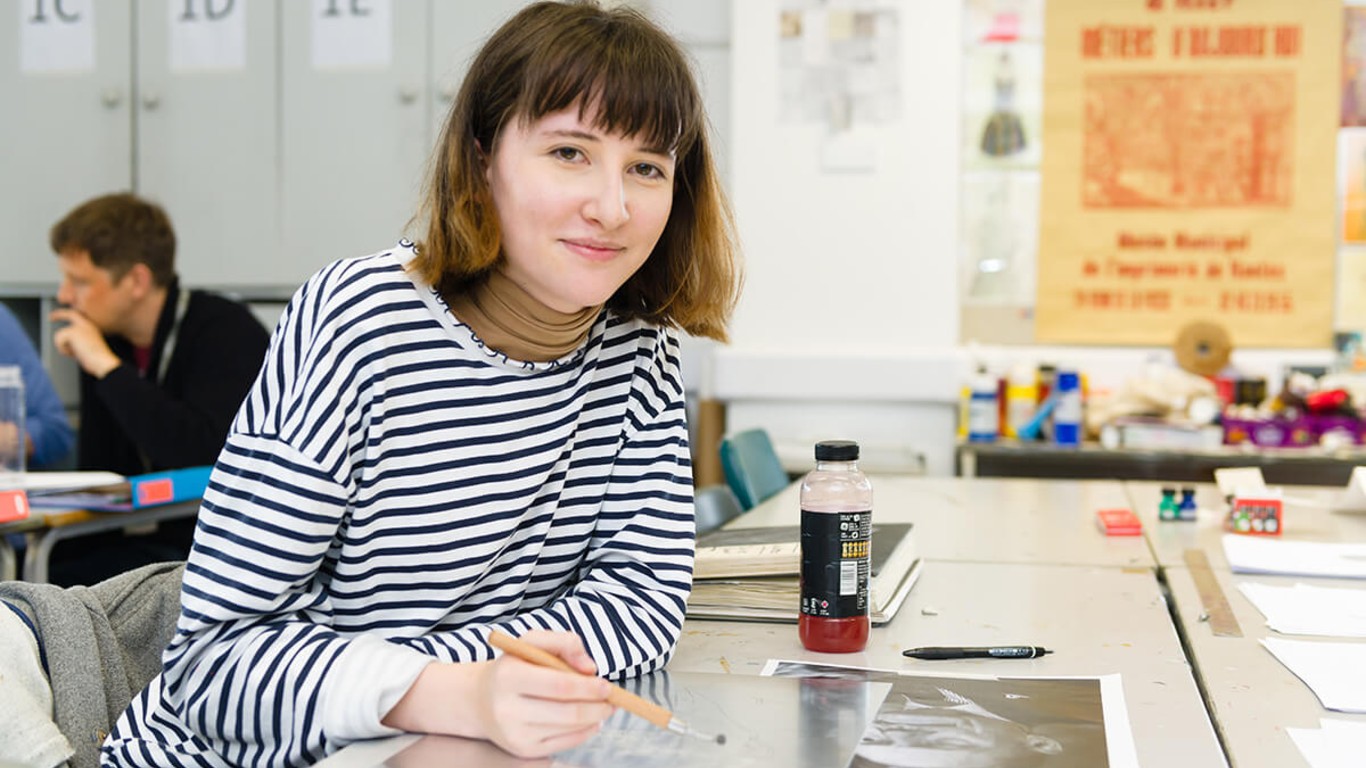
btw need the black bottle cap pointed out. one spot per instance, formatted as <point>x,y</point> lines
<point>837,450</point>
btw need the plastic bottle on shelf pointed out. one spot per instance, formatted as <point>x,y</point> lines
<point>1022,398</point>
<point>1048,373</point>
<point>983,411</point>
<point>1067,413</point>
<point>836,531</point>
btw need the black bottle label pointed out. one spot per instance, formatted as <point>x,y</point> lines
<point>835,557</point>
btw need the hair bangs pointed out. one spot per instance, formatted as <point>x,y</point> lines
<point>623,82</point>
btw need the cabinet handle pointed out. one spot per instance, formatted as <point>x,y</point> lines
<point>407,94</point>
<point>151,100</point>
<point>111,97</point>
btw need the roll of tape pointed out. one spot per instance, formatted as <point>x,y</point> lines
<point>1203,348</point>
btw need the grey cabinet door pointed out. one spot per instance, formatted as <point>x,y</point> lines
<point>65,121</point>
<point>207,138</point>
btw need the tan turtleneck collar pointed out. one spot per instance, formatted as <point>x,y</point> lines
<point>508,319</point>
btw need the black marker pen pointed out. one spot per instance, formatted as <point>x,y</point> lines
<point>996,652</point>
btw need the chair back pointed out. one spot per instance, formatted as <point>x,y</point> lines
<point>752,467</point>
<point>716,505</point>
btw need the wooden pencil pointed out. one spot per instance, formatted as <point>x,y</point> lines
<point>618,697</point>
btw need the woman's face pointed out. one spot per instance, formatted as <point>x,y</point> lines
<point>580,209</point>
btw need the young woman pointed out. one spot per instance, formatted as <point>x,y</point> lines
<point>481,430</point>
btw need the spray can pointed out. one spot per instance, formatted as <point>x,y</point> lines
<point>1067,413</point>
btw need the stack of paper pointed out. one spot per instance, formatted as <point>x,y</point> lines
<point>35,482</point>
<point>1250,554</point>
<point>81,490</point>
<point>1335,744</point>
<point>1335,672</point>
<point>1302,609</point>
<point>761,567</point>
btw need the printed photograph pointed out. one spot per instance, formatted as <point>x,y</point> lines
<point>928,721</point>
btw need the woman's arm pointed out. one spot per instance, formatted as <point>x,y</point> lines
<point>528,710</point>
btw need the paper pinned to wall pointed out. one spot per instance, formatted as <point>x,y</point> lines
<point>208,36</point>
<point>57,37</point>
<point>352,35</point>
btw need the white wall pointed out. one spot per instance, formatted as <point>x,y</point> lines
<point>848,326</point>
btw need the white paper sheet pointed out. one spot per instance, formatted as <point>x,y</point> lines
<point>1302,609</point>
<point>1335,672</point>
<point>56,38</point>
<point>1335,744</point>
<point>1250,554</point>
<point>352,36</point>
<point>1232,480</point>
<point>208,36</point>
<point>63,481</point>
<point>1353,498</point>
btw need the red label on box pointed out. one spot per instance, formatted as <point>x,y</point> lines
<point>1255,517</point>
<point>1119,522</point>
<point>155,491</point>
<point>13,506</point>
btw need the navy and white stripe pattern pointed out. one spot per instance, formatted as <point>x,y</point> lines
<point>388,475</point>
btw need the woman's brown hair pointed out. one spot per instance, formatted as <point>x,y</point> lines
<point>637,80</point>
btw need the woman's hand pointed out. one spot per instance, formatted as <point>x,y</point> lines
<point>528,710</point>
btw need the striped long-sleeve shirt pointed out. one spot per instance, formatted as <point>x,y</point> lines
<point>390,490</point>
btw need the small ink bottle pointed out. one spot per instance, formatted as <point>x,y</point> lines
<point>836,536</point>
<point>1168,509</point>
<point>1187,509</point>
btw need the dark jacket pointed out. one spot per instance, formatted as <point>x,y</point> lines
<point>133,424</point>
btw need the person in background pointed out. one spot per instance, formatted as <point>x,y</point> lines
<point>484,429</point>
<point>163,369</point>
<point>49,435</point>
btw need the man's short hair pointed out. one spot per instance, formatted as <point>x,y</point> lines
<point>119,231</point>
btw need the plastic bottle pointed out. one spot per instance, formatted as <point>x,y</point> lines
<point>983,408</point>
<point>1048,374</point>
<point>1067,413</point>
<point>1022,398</point>
<point>12,408</point>
<point>837,519</point>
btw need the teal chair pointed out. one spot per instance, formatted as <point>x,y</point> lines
<point>716,505</point>
<point>752,467</point>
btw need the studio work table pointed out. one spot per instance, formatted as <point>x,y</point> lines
<point>1021,561</point>
<point>1251,696</point>
<point>44,528</point>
